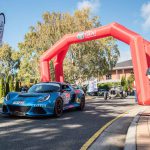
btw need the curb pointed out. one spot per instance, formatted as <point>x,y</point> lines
<point>130,142</point>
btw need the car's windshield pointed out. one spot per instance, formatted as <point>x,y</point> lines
<point>45,88</point>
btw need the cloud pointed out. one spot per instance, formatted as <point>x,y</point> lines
<point>91,4</point>
<point>145,13</point>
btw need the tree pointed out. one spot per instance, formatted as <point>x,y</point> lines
<point>11,84</point>
<point>89,59</point>
<point>9,60</point>
<point>7,85</point>
<point>127,83</point>
<point>17,88</point>
<point>130,81</point>
<point>2,87</point>
<point>123,81</point>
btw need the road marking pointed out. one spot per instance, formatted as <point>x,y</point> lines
<point>99,132</point>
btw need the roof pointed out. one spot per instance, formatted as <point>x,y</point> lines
<point>124,65</point>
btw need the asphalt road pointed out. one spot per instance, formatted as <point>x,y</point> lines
<point>69,132</point>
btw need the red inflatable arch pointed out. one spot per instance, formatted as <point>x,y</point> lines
<point>140,52</point>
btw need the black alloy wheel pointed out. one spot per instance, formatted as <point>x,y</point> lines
<point>58,110</point>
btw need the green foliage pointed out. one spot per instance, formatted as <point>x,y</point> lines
<point>92,58</point>
<point>9,64</point>
<point>125,87</point>
<point>127,83</point>
<point>2,87</point>
<point>11,84</point>
<point>103,86</point>
<point>130,81</point>
<point>123,81</point>
<point>17,87</point>
<point>9,60</point>
<point>7,85</point>
<point>108,85</point>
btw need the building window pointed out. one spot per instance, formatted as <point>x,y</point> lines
<point>108,77</point>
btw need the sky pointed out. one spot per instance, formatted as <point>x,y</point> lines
<point>21,14</point>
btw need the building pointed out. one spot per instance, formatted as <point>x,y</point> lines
<point>124,68</point>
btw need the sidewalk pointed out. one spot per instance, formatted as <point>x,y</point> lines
<point>143,131</point>
<point>114,137</point>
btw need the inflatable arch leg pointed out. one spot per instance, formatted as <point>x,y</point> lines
<point>58,65</point>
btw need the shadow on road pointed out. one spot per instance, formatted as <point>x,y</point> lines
<point>68,132</point>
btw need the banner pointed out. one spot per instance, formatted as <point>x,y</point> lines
<point>92,86</point>
<point>2,23</point>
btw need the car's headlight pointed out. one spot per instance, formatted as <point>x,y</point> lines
<point>7,97</point>
<point>44,99</point>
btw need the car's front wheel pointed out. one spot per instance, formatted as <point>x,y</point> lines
<point>58,109</point>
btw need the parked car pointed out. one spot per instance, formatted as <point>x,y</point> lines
<point>43,99</point>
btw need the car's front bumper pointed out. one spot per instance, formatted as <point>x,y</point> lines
<point>30,111</point>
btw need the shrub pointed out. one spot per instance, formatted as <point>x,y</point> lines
<point>2,88</point>
<point>7,85</point>
<point>11,83</point>
<point>123,81</point>
<point>108,85</point>
<point>17,88</point>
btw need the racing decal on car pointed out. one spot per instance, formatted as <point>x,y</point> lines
<point>39,105</point>
<point>77,91</point>
<point>66,97</point>
<point>18,102</point>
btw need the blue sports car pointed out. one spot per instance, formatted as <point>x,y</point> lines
<point>44,99</point>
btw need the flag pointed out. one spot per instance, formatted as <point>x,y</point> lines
<point>93,85</point>
<point>2,23</point>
